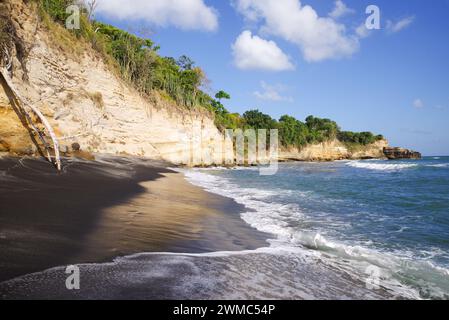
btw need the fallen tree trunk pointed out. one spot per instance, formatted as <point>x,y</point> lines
<point>23,104</point>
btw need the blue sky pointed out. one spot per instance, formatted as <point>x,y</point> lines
<point>393,81</point>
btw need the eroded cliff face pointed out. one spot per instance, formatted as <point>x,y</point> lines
<point>14,137</point>
<point>88,104</point>
<point>334,150</point>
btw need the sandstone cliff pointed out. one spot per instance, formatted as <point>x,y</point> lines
<point>88,104</point>
<point>334,150</point>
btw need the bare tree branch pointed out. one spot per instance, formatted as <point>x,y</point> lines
<point>8,60</point>
<point>91,7</point>
<point>4,72</point>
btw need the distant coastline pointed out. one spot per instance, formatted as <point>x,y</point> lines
<point>97,108</point>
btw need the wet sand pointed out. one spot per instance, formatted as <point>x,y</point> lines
<point>99,210</point>
<point>138,230</point>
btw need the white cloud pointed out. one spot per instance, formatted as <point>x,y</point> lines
<point>340,10</point>
<point>272,93</point>
<point>319,38</point>
<point>400,25</point>
<point>183,14</point>
<point>362,31</point>
<point>254,53</point>
<point>418,103</point>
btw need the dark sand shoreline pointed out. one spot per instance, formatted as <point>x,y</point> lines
<point>138,230</point>
<point>97,211</point>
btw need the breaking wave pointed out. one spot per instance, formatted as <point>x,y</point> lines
<point>423,279</point>
<point>298,264</point>
<point>381,166</point>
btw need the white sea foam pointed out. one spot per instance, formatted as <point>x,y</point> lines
<point>391,166</point>
<point>441,165</point>
<point>288,269</point>
<point>267,273</point>
<point>275,218</point>
<point>381,166</point>
<point>265,216</point>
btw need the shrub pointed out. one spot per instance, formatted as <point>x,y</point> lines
<point>292,132</point>
<point>4,34</point>
<point>136,58</point>
<point>363,138</point>
<point>321,130</point>
<point>257,120</point>
<point>56,9</point>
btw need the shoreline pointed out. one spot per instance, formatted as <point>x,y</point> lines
<point>165,238</point>
<point>96,211</point>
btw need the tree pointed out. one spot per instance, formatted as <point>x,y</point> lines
<point>366,138</point>
<point>347,136</point>
<point>321,129</point>
<point>363,138</point>
<point>217,105</point>
<point>91,6</point>
<point>185,63</point>
<point>258,120</point>
<point>222,95</point>
<point>292,132</point>
<point>219,108</point>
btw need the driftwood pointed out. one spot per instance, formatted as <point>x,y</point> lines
<point>24,105</point>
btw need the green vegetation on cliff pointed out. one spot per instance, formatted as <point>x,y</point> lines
<point>4,35</point>
<point>136,58</point>
<point>295,133</point>
<point>179,80</point>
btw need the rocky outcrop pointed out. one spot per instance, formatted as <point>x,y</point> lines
<point>334,150</point>
<point>401,153</point>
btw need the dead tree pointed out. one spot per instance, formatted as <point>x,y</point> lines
<point>91,7</point>
<point>26,108</point>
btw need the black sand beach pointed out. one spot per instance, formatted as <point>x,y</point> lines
<point>138,230</point>
<point>95,211</point>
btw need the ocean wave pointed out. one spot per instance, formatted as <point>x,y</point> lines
<point>297,265</point>
<point>275,218</point>
<point>381,166</point>
<point>441,165</point>
<point>424,279</point>
<point>265,216</point>
<point>267,273</point>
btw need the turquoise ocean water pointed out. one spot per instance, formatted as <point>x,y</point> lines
<point>385,219</point>
<point>343,230</point>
